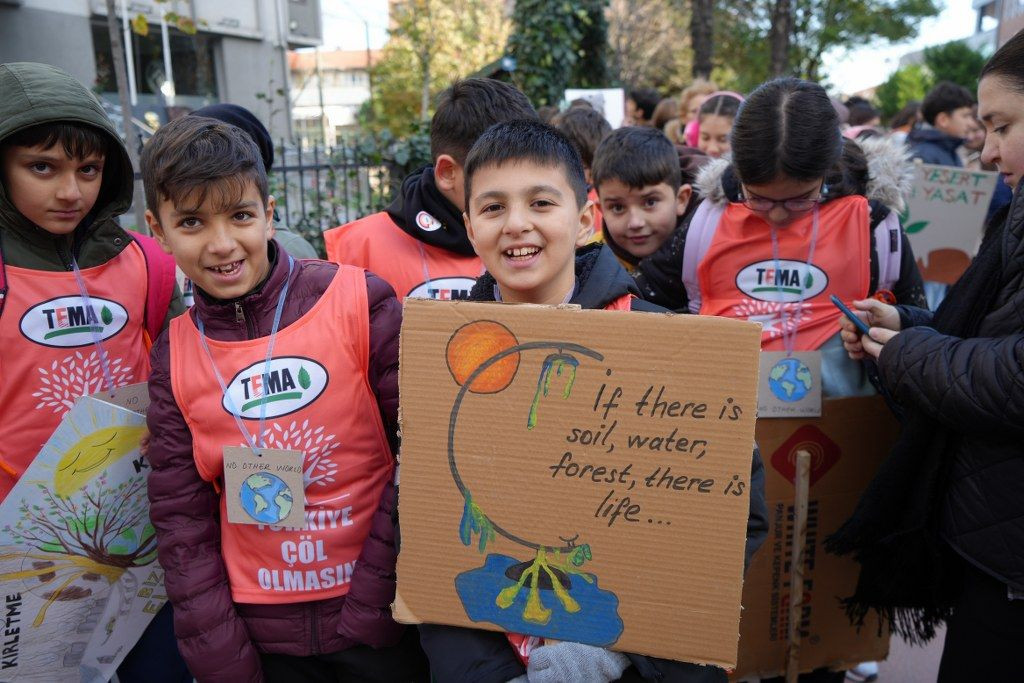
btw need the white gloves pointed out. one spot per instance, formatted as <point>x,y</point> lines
<point>575,663</point>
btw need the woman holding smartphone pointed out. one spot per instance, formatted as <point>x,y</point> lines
<point>940,531</point>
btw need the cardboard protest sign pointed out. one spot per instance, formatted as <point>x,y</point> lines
<point>577,475</point>
<point>945,216</point>
<point>847,444</point>
<point>79,580</point>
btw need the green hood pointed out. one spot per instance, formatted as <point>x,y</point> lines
<point>31,94</point>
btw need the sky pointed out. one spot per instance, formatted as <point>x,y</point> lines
<point>346,23</point>
<point>871,65</point>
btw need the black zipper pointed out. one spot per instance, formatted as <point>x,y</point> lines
<point>65,260</point>
<point>314,627</point>
<point>240,318</point>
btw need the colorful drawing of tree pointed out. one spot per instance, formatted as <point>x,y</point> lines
<point>73,543</point>
<point>483,358</point>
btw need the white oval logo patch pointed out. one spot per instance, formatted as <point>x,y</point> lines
<point>66,322</point>
<point>427,222</point>
<point>293,382</point>
<point>784,281</point>
<point>444,288</point>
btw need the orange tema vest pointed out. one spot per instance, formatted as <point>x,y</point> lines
<point>411,267</point>
<point>318,400</point>
<point>739,279</point>
<point>48,357</point>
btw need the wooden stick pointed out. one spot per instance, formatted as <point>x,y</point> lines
<point>796,554</point>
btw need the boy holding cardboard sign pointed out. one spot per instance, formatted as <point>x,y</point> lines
<point>281,368</point>
<point>527,212</point>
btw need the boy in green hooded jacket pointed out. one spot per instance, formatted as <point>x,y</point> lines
<point>81,299</point>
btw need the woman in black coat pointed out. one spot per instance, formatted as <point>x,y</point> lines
<point>940,531</point>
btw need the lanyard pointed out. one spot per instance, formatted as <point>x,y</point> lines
<point>97,341</point>
<point>266,368</point>
<point>789,335</point>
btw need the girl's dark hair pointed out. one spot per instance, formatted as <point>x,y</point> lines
<point>1008,63</point>
<point>720,105</point>
<point>911,110</point>
<point>786,128</point>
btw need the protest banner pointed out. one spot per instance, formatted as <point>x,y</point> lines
<point>847,444</point>
<point>577,475</point>
<point>608,102</point>
<point>944,218</point>
<point>79,580</point>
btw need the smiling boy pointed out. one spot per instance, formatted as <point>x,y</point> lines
<point>527,211</point>
<point>276,353</point>
<point>637,176</point>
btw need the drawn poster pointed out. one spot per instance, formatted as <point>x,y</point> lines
<point>562,479</point>
<point>944,218</point>
<point>79,581</point>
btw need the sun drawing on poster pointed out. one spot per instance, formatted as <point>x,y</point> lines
<point>549,594</point>
<point>82,532</point>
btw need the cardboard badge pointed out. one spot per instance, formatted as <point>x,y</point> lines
<point>790,384</point>
<point>577,475</point>
<point>847,444</point>
<point>133,397</point>
<point>265,488</point>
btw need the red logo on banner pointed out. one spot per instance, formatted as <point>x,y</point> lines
<point>824,453</point>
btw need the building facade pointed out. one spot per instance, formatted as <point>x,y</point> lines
<point>238,54</point>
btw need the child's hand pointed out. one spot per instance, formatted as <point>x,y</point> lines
<point>877,315</point>
<point>575,662</point>
<point>144,444</point>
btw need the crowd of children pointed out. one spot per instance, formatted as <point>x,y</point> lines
<point>510,210</point>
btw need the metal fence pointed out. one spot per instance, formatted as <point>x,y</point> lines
<point>317,189</point>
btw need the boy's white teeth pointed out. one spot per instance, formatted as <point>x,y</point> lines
<point>522,251</point>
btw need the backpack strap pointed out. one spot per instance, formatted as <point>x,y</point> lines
<point>161,280</point>
<point>3,279</point>
<point>699,234</point>
<point>889,250</point>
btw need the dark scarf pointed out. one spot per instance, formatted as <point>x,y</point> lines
<point>908,573</point>
<point>419,193</point>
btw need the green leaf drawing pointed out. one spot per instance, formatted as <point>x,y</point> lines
<point>916,227</point>
<point>106,316</point>
<point>303,378</point>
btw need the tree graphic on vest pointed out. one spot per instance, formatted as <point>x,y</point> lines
<point>75,376</point>
<point>320,467</point>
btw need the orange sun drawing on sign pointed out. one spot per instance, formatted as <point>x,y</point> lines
<point>474,343</point>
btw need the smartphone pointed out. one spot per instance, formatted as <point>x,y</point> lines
<point>860,324</point>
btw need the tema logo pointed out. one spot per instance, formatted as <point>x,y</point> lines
<point>825,453</point>
<point>766,282</point>
<point>444,288</point>
<point>293,382</point>
<point>66,322</point>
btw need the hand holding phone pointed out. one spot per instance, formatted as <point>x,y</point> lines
<point>858,323</point>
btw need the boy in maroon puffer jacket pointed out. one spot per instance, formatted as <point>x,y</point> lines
<point>275,354</point>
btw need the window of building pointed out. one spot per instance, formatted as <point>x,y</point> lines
<point>191,62</point>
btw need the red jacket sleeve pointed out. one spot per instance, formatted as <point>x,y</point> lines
<point>367,608</point>
<point>185,512</point>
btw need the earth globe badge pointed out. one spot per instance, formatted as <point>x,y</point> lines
<point>266,498</point>
<point>789,380</point>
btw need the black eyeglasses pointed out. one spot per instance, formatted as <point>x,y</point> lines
<point>797,205</point>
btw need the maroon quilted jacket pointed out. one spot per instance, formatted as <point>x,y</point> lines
<point>221,640</point>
